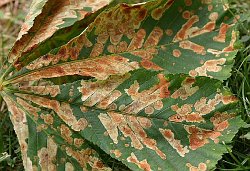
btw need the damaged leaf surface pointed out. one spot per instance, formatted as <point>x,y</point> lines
<point>142,82</point>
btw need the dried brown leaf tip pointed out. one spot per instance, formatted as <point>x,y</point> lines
<point>44,22</point>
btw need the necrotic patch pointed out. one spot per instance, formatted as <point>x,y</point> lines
<point>176,144</point>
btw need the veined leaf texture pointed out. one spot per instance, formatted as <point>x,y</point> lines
<point>142,81</point>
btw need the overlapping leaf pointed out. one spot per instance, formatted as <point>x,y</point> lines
<point>46,17</point>
<point>135,89</point>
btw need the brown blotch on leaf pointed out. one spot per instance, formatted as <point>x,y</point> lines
<point>66,134</point>
<point>137,40</point>
<point>230,48</point>
<point>176,53</point>
<point>221,37</point>
<point>183,33</point>
<point>48,118</point>
<point>116,152</point>
<point>220,120</point>
<point>176,144</point>
<point>193,47</point>
<point>158,12</point>
<point>169,32</point>
<point>154,37</point>
<point>149,65</point>
<point>188,2</point>
<point>78,142</point>
<point>186,14</point>
<point>201,167</point>
<point>149,110</point>
<point>141,164</point>
<point>199,137</point>
<point>186,90</point>
<point>211,66</point>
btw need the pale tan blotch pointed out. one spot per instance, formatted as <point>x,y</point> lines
<point>18,118</point>
<point>186,90</point>
<point>111,48</point>
<point>158,12</point>
<point>42,62</point>
<point>100,68</point>
<point>143,137</point>
<point>186,14</point>
<point>122,107</point>
<point>130,127</point>
<point>176,53</point>
<point>28,107</point>
<point>226,99</point>
<point>48,118</point>
<point>102,92</point>
<point>82,39</point>
<point>183,33</point>
<point>69,167</point>
<point>210,7</point>
<point>63,110</point>
<point>41,127</point>
<point>158,105</point>
<point>184,113</point>
<point>211,66</point>
<point>47,156</point>
<point>112,106</point>
<point>118,121</point>
<point>97,50</point>
<point>193,47</point>
<point>220,120</point>
<point>98,165</point>
<point>221,37</point>
<point>176,144</point>
<point>180,9</point>
<point>146,97</point>
<point>102,37</point>
<point>115,34</point>
<point>230,48</point>
<point>145,54</point>
<point>144,122</point>
<point>149,65</point>
<point>213,16</point>
<point>122,47</point>
<point>109,126</point>
<point>209,27</point>
<point>84,109</point>
<point>137,41</point>
<point>199,137</point>
<point>43,90</point>
<point>66,133</point>
<point>84,157</point>
<point>141,164</point>
<point>215,52</point>
<point>192,73</point>
<point>154,37</point>
<point>116,152</point>
<point>78,142</point>
<point>188,2</point>
<point>104,103</point>
<point>204,106</point>
<point>169,32</point>
<point>201,167</point>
